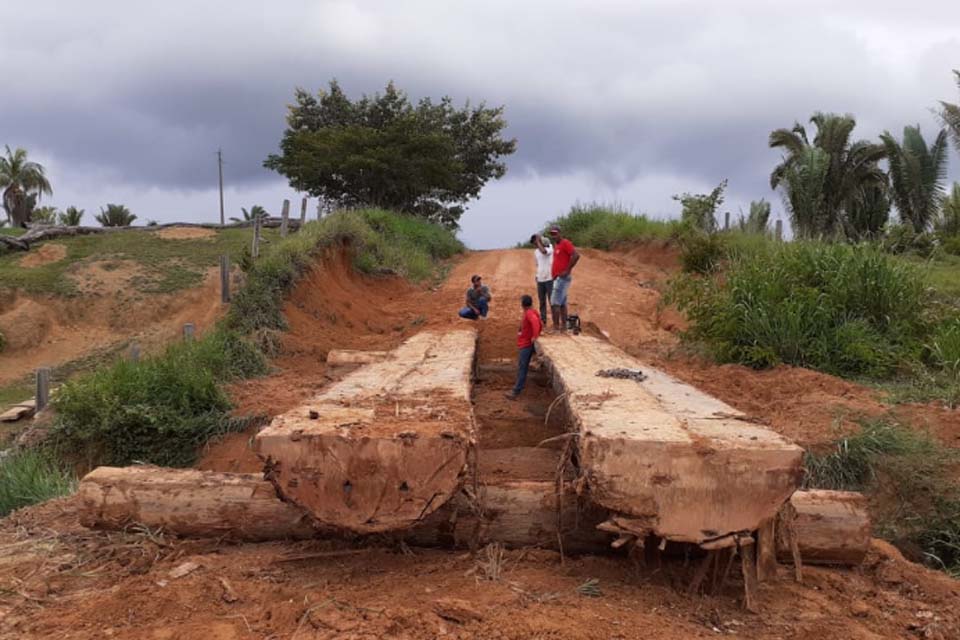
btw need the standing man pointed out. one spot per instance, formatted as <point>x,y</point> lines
<point>565,258</point>
<point>530,329</point>
<point>478,300</point>
<point>543,254</point>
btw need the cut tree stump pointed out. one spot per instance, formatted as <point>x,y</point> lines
<point>831,527</point>
<point>385,446</point>
<point>666,458</point>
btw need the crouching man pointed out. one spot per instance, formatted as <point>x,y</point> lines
<point>530,328</point>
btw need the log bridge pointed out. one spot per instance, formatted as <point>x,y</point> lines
<point>391,447</point>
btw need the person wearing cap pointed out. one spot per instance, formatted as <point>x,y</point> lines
<point>543,255</point>
<point>565,258</point>
<point>528,333</point>
<point>478,300</point>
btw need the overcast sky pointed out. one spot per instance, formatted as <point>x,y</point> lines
<point>614,101</point>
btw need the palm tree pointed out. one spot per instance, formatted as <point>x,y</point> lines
<point>950,115</point>
<point>44,215</point>
<point>949,221</point>
<point>115,215</point>
<point>829,174</point>
<point>20,179</point>
<point>249,216</point>
<point>71,217</point>
<point>868,213</point>
<point>756,220</point>
<point>917,173</point>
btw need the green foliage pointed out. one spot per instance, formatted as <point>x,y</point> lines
<point>23,183</point>
<point>3,342</point>
<point>701,252</point>
<point>758,218</point>
<point>71,217</point>
<point>843,309</point>
<point>381,242</point>
<point>950,115</point>
<point>44,215</point>
<point>256,211</point>
<point>115,215</point>
<point>158,410</point>
<point>916,175</point>
<point>944,347</point>
<point>29,476</point>
<point>603,226</point>
<point>383,151</point>
<point>699,210</point>
<point>904,239</point>
<point>907,475</point>
<point>823,181</point>
<point>948,223</point>
<point>868,213</point>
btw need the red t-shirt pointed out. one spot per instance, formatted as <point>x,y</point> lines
<point>562,253</point>
<point>530,329</point>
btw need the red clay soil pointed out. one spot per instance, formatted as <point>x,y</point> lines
<point>59,580</point>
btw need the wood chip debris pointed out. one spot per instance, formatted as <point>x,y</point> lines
<point>183,569</point>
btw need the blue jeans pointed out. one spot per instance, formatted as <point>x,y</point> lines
<point>523,364</point>
<point>561,286</point>
<point>469,314</point>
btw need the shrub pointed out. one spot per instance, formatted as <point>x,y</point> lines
<point>71,217</point>
<point>29,476</point>
<point>115,215</point>
<point>914,497</point>
<point>902,239</point>
<point>944,347</point>
<point>158,410</point>
<point>603,226</point>
<point>838,308</point>
<point>699,210</point>
<point>44,215</point>
<point>701,252</point>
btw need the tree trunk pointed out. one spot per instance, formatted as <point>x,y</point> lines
<point>663,456</point>
<point>385,446</point>
<point>832,527</point>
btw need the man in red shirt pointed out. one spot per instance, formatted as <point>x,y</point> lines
<point>530,328</point>
<point>565,258</point>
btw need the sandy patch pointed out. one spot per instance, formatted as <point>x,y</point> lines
<point>186,233</point>
<point>105,276</point>
<point>45,254</point>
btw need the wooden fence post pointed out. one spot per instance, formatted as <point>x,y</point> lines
<point>224,279</point>
<point>779,230</point>
<point>255,247</point>
<point>134,353</point>
<point>43,389</point>
<point>319,209</point>
<point>303,212</point>
<point>284,218</point>
<point>726,221</point>
<point>188,332</point>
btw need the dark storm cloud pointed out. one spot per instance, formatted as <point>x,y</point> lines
<point>617,91</point>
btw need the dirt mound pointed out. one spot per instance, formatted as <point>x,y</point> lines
<point>186,233</point>
<point>105,276</point>
<point>46,254</point>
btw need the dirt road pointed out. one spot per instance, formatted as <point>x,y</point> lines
<point>59,580</point>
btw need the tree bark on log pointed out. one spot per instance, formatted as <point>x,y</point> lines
<point>385,446</point>
<point>515,513</point>
<point>832,527</point>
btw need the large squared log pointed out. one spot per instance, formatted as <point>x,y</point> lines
<point>666,457</point>
<point>385,446</point>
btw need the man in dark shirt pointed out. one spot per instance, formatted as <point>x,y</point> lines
<point>530,329</point>
<point>478,300</point>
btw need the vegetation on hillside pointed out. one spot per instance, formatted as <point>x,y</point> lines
<point>115,215</point>
<point>602,226</point>
<point>23,183</point>
<point>917,173</point>
<point>427,159</point>
<point>29,476</point>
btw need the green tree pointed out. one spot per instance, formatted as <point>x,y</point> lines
<point>427,159</point>
<point>698,210</point>
<point>115,215</point>
<point>917,174</point>
<point>256,211</point>
<point>950,115</point>
<point>71,217</point>
<point>758,218</point>
<point>821,181</point>
<point>23,182</point>
<point>948,223</point>
<point>44,215</point>
<point>868,213</point>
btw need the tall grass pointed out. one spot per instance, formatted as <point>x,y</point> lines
<point>907,474</point>
<point>603,226</point>
<point>844,309</point>
<point>31,476</point>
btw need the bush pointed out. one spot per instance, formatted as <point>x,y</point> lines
<point>944,348</point>
<point>604,226</point>
<point>842,309</point>
<point>701,252</point>
<point>902,239</point>
<point>158,410</point>
<point>29,476</point>
<point>914,497</point>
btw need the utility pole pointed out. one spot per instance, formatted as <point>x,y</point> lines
<point>220,168</point>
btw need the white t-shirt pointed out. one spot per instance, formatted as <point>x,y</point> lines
<point>544,264</point>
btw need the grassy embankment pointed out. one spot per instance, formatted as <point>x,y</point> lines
<point>161,409</point>
<point>856,311</point>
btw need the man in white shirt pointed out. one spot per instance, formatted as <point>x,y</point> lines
<point>543,253</point>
